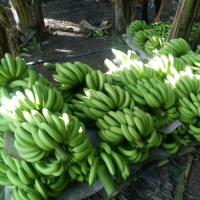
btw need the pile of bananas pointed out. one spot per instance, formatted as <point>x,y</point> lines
<point>71,77</point>
<point>142,36</point>
<point>127,104</point>
<point>154,44</point>
<point>176,47</point>
<point>172,142</point>
<point>136,26</point>
<point>11,71</point>
<point>161,28</point>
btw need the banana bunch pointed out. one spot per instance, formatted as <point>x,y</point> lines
<point>166,65</point>
<point>28,177</point>
<point>135,126</point>
<point>136,70</point>
<point>140,39</point>
<point>198,49</point>
<point>189,109</point>
<point>71,77</point>
<point>36,98</point>
<point>86,169</point>
<point>29,81</point>
<point>55,185</point>
<point>172,142</point>
<point>96,104</point>
<point>161,28</point>
<point>136,26</point>
<point>133,154</point>
<point>39,134</point>
<point>185,84</point>
<point>163,118</point>
<point>193,32</point>
<point>111,157</point>
<point>176,47</point>
<point>9,71</point>
<point>27,192</point>
<point>152,92</point>
<point>96,79</point>
<point>154,44</point>
<point>52,166</point>
<point>149,33</point>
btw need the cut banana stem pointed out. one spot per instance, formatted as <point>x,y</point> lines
<point>108,182</point>
<point>62,153</point>
<point>140,144</point>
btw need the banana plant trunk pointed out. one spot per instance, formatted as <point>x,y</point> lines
<point>22,14</point>
<point>39,15</point>
<point>196,40</point>
<point>184,18</point>
<point>7,36</point>
<point>120,21</point>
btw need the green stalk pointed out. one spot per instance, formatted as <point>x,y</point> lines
<point>177,137</point>
<point>108,182</point>
<point>62,153</point>
<point>140,144</point>
<point>158,111</point>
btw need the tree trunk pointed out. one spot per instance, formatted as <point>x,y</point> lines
<point>135,11</point>
<point>184,19</point>
<point>120,22</point>
<point>7,36</point>
<point>196,40</point>
<point>39,16</point>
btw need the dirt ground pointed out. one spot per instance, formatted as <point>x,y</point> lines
<point>59,14</point>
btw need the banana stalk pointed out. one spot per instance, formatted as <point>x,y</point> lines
<point>108,182</point>
<point>62,153</point>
